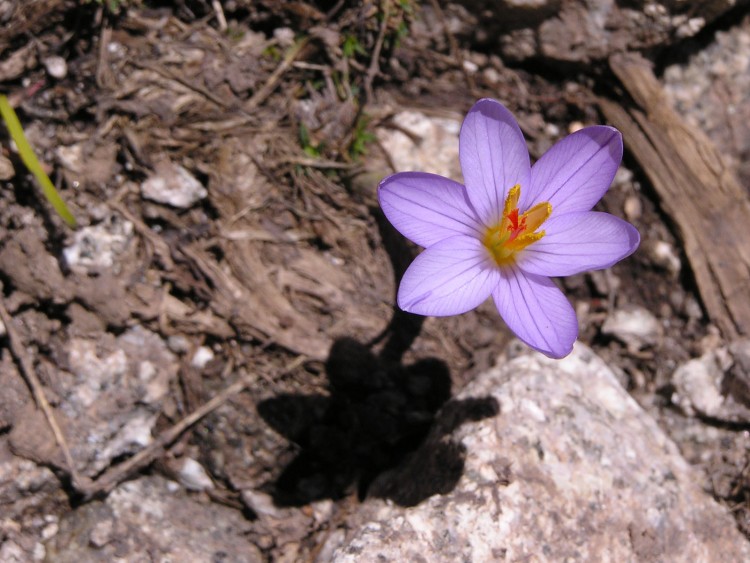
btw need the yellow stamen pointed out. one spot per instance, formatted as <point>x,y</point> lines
<point>515,231</point>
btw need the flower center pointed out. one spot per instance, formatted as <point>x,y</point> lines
<point>515,231</point>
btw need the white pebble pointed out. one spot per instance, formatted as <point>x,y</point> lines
<point>193,477</point>
<point>202,356</point>
<point>56,67</point>
<point>635,327</point>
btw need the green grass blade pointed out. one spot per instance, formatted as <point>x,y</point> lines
<point>32,163</point>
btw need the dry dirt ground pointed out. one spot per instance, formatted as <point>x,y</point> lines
<point>221,161</point>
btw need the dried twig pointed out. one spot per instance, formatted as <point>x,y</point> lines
<point>103,74</point>
<point>261,94</point>
<point>318,163</point>
<point>27,370</point>
<point>220,18</point>
<point>696,188</point>
<point>374,68</point>
<point>160,246</point>
<point>198,89</point>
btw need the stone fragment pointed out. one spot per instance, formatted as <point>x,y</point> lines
<point>423,143</point>
<point>635,327</point>
<point>202,356</point>
<point>56,66</point>
<point>664,255</point>
<point>174,185</point>
<point>570,469</point>
<point>98,247</point>
<point>193,477</point>
<point>6,168</point>
<point>707,387</point>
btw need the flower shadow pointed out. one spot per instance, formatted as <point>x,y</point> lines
<point>377,414</point>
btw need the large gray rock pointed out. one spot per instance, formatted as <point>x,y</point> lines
<point>570,468</point>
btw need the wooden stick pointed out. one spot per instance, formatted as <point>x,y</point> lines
<point>696,189</point>
<point>19,352</point>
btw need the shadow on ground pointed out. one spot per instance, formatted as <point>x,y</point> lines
<point>377,415</point>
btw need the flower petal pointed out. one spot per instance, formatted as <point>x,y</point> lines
<point>493,157</point>
<point>576,242</point>
<point>576,172</point>
<point>537,312</point>
<point>451,277</point>
<point>427,208</point>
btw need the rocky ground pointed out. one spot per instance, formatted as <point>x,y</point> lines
<point>217,338</point>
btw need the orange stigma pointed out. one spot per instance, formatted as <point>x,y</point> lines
<point>515,231</point>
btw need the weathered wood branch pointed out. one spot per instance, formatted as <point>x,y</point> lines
<point>696,189</point>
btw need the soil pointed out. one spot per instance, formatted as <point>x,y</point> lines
<point>261,257</point>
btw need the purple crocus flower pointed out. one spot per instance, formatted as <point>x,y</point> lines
<point>512,226</point>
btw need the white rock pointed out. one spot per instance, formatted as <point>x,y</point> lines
<point>96,248</point>
<point>664,255</point>
<point>202,356</point>
<point>635,327</point>
<point>193,477</point>
<point>596,480</point>
<point>699,391</point>
<point>134,435</point>
<point>284,35</point>
<point>262,504</point>
<point>56,66</point>
<point>113,400</point>
<point>50,530</point>
<point>174,185</point>
<point>432,146</point>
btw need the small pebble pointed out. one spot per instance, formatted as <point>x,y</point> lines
<point>551,130</point>
<point>633,208</point>
<point>178,344</point>
<point>56,67</point>
<point>174,185</point>
<point>470,67</point>
<point>635,327</point>
<point>6,168</point>
<point>193,477</point>
<point>575,126</point>
<point>284,35</point>
<point>101,534</point>
<point>50,531</point>
<point>664,255</point>
<point>202,356</point>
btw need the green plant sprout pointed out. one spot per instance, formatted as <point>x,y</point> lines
<point>32,163</point>
<point>361,138</point>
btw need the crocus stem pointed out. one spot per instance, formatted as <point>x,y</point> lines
<point>32,163</point>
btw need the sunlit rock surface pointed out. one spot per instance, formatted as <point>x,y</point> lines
<point>570,468</point>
